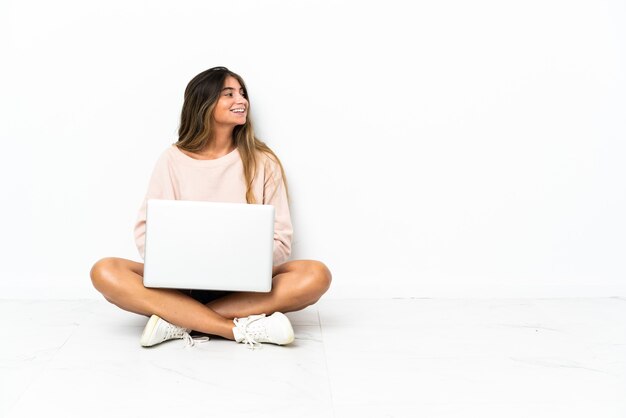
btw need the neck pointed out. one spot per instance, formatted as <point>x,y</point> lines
<point>221,144</point>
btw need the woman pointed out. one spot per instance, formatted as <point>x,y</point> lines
<point>217,158</point>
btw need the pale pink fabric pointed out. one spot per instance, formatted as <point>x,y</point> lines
<point>178,176</point>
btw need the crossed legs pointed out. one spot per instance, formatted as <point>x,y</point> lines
<point>295,285</point>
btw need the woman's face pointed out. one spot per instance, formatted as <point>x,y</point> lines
<point>232,106</point>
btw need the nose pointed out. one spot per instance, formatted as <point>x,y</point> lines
<point>240,98</point>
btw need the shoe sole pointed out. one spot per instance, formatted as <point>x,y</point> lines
<point>148,331</point>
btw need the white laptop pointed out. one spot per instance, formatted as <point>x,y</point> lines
<point>208,245</point>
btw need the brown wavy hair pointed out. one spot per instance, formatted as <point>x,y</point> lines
<point>195,131</point>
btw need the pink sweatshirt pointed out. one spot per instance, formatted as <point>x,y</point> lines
<point>180,177</point>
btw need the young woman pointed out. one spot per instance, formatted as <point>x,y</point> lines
<point>217,158</point>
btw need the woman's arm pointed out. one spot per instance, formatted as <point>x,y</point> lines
<point>160,187</point>
<point>275,194</point>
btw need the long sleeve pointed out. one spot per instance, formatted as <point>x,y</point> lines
<point>275,194</point>
<point>160,187</point>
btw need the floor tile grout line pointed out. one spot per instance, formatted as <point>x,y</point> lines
<point>43,369</point>
<point>330,387</point>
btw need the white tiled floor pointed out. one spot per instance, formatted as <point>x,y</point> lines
<point>351,358</point>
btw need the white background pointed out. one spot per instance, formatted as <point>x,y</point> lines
<point>433,149</point>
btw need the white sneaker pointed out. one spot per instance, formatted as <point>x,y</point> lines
<point>257,329</point>
<point>158,330</point>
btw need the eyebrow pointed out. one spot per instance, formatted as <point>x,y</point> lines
<point>231,88</point>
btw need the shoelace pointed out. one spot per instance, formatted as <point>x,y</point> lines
<point>175,332</point>
<point>190,341</point>
<point>249,336</point>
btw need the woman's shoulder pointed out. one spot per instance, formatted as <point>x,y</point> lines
<point>172,152</point>
<point>166,156</point>
<point>268,160</point>
<point>264,156</point>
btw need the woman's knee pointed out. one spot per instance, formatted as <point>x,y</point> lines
<point>104,275</point>
<point>316,279</point>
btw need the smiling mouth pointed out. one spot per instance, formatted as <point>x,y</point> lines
<point>238,110</point>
